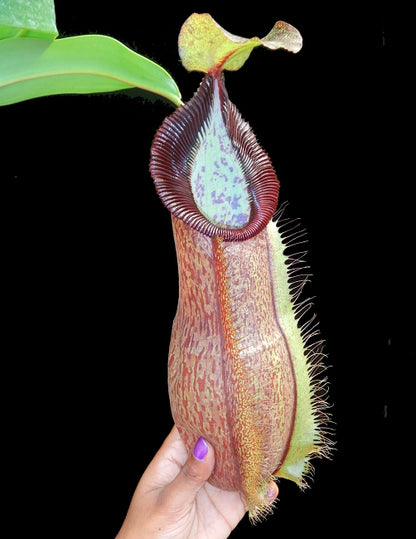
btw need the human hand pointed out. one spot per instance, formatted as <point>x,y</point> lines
<point>174,499</point>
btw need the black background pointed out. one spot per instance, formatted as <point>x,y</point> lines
<point>90,279</point>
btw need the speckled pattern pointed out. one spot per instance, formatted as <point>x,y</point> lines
<point>230,374</point>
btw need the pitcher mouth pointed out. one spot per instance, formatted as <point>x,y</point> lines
<point>210,171</point>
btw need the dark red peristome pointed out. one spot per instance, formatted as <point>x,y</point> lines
<point>172,159</point>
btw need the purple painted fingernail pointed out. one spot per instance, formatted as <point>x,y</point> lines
<point>200,450</point>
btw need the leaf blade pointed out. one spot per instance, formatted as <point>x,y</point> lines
<point>28,18</point>
<point>33,67</point>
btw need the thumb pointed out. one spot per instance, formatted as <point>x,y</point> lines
<point>181,492</point>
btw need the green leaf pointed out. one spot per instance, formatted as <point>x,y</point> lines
<point>27,18</point>
<point>82,64</point>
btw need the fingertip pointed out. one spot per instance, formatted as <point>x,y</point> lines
<point>194,473</point>
<point>272,492</point>
<point>201,459</point>
<point>200,450</point>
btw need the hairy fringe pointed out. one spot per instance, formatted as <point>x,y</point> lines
<point>294,235</point>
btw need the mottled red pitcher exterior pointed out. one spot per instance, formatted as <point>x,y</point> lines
<point>230,373</point>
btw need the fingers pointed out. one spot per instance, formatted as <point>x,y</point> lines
<point>181,492</point>
<point>196,470</point>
